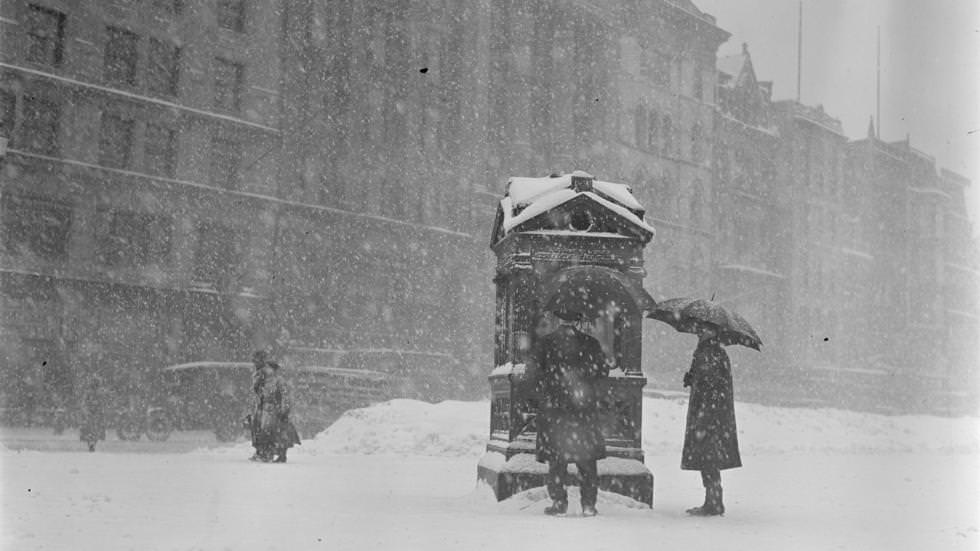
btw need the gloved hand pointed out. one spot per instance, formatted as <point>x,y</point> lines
<point>688,379</point>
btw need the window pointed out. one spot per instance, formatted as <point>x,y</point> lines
<point>120,56</point>
<point>225,162</point>
<point>135,239</point>
<point>36,226</point>
<point>698,91</point>
<point>217,254</point>
<point>231,14</point>
<point>661,70</point>
<point>163,69</point>
<point>227,84</point>
<point>639,125</point>
<point>115,141</point>
<point>653,140</point>
<point>8,112</point>
<point>695,207</point>
<point>40,125</point>
<point>697,145</point>
<point>160,150</point>
<point>45,36</point>
<point>668,136</point>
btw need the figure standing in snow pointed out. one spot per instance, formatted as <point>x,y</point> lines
<point>93,412</point>
<point>564,369</point>
<point>275,433</point>
<point>710,438</point>
<point>259,360</point>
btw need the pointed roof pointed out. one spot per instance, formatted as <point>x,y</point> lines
<point>528,198</point>
<point>737,67</point>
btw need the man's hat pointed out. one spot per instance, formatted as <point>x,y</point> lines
<point>568,314</point>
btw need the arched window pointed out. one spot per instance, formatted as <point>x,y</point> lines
<point>653,140</point>
<point>698,86</point>
<point>696,204</point>
<point>639,126</point>
<point>697,145</point>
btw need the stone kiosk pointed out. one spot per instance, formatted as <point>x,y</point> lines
<point>548,232</point>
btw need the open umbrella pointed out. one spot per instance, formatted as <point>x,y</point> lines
<point>684,314</point>
<point>588,290</point>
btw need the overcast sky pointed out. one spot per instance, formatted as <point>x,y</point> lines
<point>929,67</point>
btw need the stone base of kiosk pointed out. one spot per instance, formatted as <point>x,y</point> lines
<point>506,477</point>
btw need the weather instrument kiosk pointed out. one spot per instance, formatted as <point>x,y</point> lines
<point>551,235</point>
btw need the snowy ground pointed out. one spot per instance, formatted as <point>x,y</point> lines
<point>402,476</point>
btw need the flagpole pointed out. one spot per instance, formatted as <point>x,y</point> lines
<point>799,53</point>
<point>878,87</point>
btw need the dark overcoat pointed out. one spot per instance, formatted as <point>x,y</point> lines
<point>564,370</point>
<point>711,438</point>
<point>272,424</point>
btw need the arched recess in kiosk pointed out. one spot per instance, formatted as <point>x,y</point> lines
<point>616,302</point>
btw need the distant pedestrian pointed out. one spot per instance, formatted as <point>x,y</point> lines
<point>260,359</point>
<point>275,433</point>
<point>564,370</point>
<point>93,426</point>
<point>710,438</point>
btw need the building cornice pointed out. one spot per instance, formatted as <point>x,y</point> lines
<point>257,196</point>
<point>141,98</point>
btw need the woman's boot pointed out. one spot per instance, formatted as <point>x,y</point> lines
<point>698,511</point>
<point>713,504</point>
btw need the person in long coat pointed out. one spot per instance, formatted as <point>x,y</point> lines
<point>275,433</point>
<point>710,438</point>
<point>564,369</point>
<point>262,452</point>
<point>93,404</point>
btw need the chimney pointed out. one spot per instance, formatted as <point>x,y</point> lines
<point>581,181</point>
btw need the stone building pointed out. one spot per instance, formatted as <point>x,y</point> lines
<point>421,123</point>
<point>136,196</point>
<point>187,180</point>
<point>751,230</point>
<point>923,320</point>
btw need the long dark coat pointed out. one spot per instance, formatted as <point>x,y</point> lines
<point>564,369</point>
<point>272,424</point>
<point>93,416</point>
<point>711,438</point>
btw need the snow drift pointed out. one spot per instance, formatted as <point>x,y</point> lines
<point>452,428</point>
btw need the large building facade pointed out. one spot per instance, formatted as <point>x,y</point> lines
<point>189,180</point>
<point>136,202</point>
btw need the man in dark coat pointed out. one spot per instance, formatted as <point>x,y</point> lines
<point>263,452</point>
<point>710,439</point>
<point>275,433</point>
<point>563,370</point>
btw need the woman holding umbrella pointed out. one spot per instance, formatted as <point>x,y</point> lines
<point>710,437</point>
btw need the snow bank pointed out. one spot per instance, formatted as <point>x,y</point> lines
<point>452,428</point>
<point>408,427</point>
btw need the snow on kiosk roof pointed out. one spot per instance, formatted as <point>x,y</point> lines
<point>527,198</point>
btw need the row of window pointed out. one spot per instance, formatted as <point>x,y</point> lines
<point>659,135</point>
<point>37,130</point>
<point>749,172</point>
<point>663,70</point>
<point>46,46</point>
<point>42,228</point>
